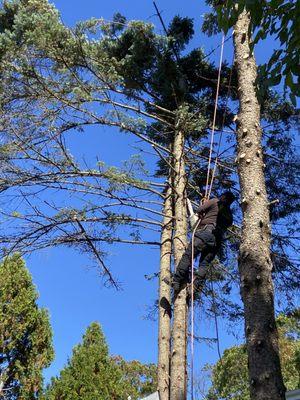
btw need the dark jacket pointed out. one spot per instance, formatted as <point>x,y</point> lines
<point>216,214</point>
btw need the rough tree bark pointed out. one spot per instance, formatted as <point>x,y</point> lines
<point>179,341</point>
<point>164,330</point>
<point>254,259</point>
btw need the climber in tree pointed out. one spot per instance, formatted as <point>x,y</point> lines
<point>215,217</point>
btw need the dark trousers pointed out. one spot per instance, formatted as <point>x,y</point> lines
<point>204,243</point>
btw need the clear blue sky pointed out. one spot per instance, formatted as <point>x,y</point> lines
<point>68,287</point>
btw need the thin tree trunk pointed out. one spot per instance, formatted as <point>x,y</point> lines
<point>179,341</point>
<point>254,259</point>
<point>164,330</point>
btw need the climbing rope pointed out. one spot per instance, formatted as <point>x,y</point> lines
<point>221,134</point>
<point>214,118</point>
<point>206,197</point>
<point>192,308</point>
<point>214,309</point>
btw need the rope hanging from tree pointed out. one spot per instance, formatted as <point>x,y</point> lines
<point>206,197</point>
<point>209,185</point>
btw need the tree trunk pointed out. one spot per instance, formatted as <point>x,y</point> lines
<point>164,330</point>
<point>179,342</point>
<point>254,259</point>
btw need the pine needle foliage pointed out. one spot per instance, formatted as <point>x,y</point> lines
<point>25,333</point>
<point>92,374</point>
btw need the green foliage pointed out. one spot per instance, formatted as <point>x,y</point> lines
<point>230,378</point>
<point>92,374</point>
<point>121,75</point>
<point>140,379</point>
<point>230,374</point>
<point>181,31</point>
<point>118,24</point>
<point>25,333</point>
<point>133,52</point>
<point>89,374</point>
<point>277,18</point>
<point>30,21</point>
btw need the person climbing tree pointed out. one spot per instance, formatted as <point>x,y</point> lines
<point>215,218</point>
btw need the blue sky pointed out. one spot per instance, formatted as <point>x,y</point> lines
<point>68,286</point>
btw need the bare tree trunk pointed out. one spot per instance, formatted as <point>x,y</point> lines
<point>254,259</point>
<point>164,330</point>
<point>179,342</point>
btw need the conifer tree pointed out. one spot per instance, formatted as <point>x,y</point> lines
<point>255,263</point>
<point>25,333</point>
<point>271,18</point>
<point>92,374</point>
<point>255,253</point>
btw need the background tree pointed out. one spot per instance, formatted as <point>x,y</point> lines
<point>25,333</point>
<point>91,373</point>
<point>140,379</point>
<point>278,19</point>
<point>230,374</point>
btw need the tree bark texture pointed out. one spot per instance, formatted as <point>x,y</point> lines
<point>255,264</point>
<point>179,339</point>
<point>164,330</point>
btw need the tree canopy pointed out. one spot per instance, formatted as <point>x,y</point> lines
<point>270,18</point>
<point>58,81</point>
<point>25,333</point>
<point>92,374</point>
<point>230,375</point>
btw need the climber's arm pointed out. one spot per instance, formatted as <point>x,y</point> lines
<point>203,208</point>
